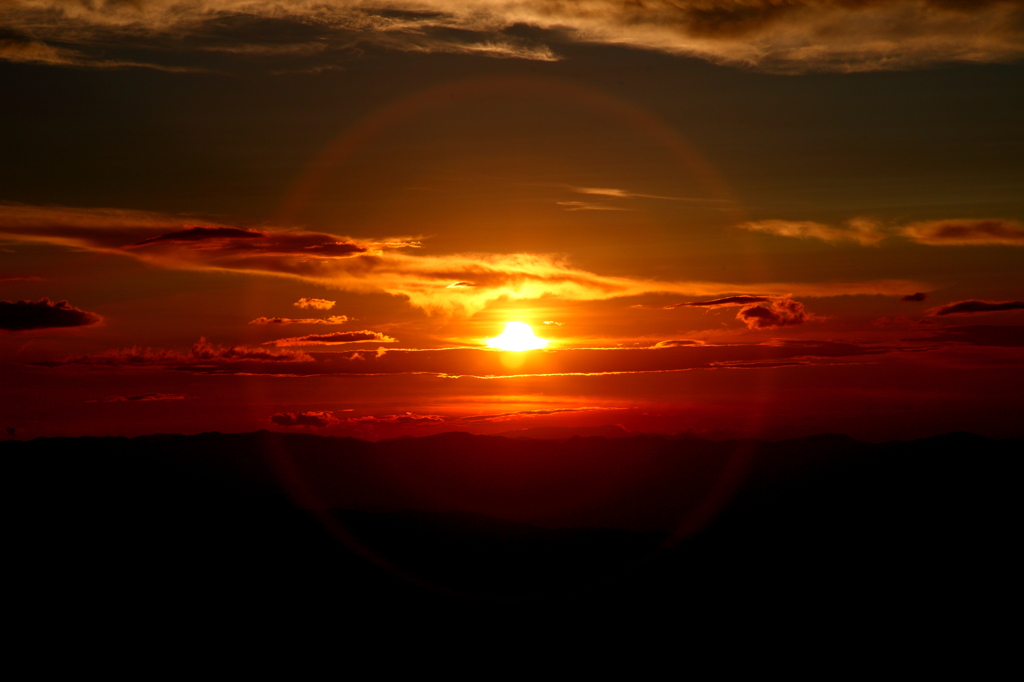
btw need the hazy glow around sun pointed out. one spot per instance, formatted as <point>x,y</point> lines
<point>517,336</point>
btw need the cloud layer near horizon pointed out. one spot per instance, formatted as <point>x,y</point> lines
<point>207,358</point>
<point>791,36</point>
<point>367,266</point>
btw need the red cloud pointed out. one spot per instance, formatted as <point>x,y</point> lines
<point>203,353</point>
<point>783,312</point>
<point>42,314</point>
<point>318,303</point>
<point>317,420</point>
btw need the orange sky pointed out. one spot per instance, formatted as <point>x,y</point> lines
<point>242,219</point>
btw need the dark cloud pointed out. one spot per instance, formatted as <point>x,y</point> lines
<point>316,420</point>
<point>281,321</point>
<point>202,354</point>
<point>721,302</point>
<point>919,296</point>
<point>198,234</point>
<point>993,231</point>
<point>975,307</point>
<point>144,398</point>
<point>676,343</point>
<point>333,338</point>
<point>11,431</point>
<point>42,314</point>
<point>237,241</point>
<point>781,313</point>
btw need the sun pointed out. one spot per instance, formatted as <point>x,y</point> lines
<point>517,336</point>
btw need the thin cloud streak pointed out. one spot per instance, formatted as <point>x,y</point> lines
<point>333,339</point>
<point>864,231</point>
<point>983,232</point>
<point>976,307</point>
<point>868,232</point>
<point>203,354</point>
<point>479,363</point>
<point>282,321</point>
<point>375,267</point>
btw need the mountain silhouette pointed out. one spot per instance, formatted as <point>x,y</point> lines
<point>264,522</point>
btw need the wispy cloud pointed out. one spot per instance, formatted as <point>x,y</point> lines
<point>613,193</point>
<point>791,36</point>
<point>626,194</point>
<point>588,206</point>
<point>371,266</point>
<point>37,52</point>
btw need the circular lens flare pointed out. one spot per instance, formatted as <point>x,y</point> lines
<point>517,336</point>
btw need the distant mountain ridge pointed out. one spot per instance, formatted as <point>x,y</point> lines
<point>635,525</point>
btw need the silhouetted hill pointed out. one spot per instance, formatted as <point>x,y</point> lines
<point>259,523</point>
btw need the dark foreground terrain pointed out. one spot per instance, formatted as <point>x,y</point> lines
<point>632,535</point>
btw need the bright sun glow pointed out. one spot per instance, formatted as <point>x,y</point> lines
<point>517,336</point>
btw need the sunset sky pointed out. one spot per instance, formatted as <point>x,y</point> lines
<point>730,217</point>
